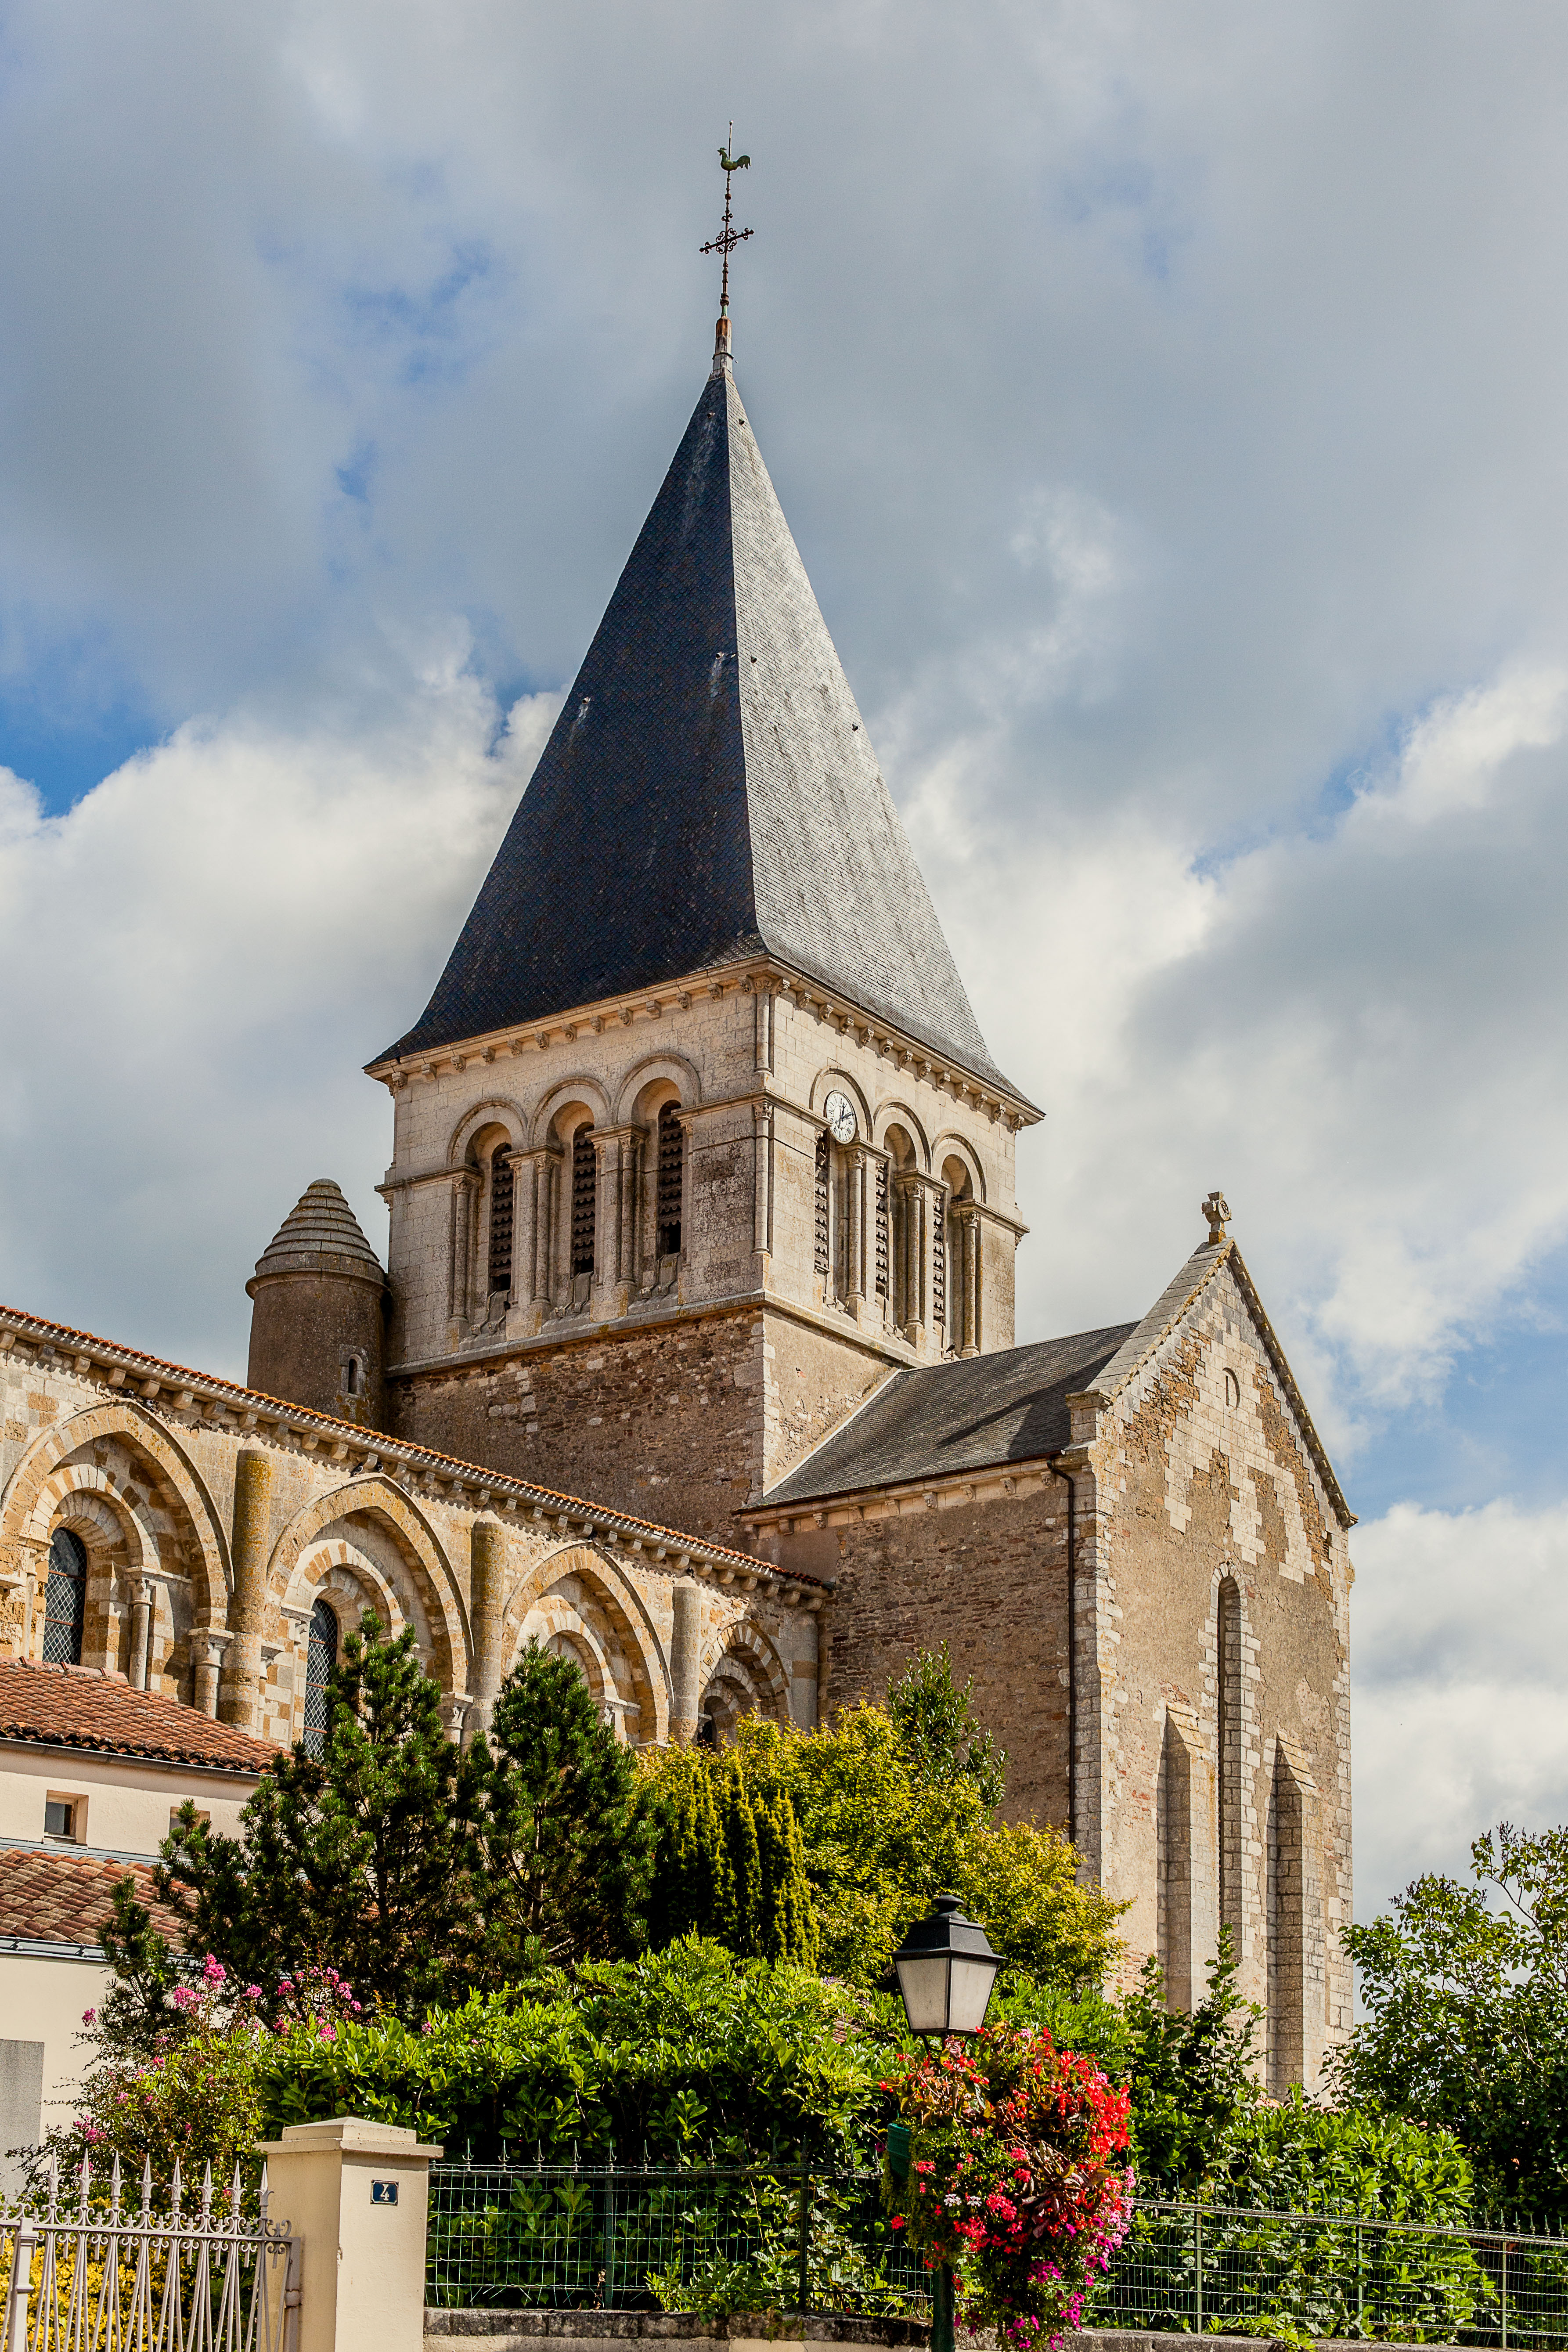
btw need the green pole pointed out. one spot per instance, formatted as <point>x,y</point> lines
<point>941,2309</point>
<point>805,2237</point>
<point>1198,2260</point>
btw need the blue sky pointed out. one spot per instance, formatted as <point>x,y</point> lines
<point>1168,400</point>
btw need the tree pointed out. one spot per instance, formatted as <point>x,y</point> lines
<point>690,1893</point>
<point>880,1834</point>
<point>1192,2079</point>
<point>939,1733</point>
<point>729,1863</point>
<point>1465,1990</point>
<point>138,2014</point>
<point>567,1837</point>
<point>363,1859</point>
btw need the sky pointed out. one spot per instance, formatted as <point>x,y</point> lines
<point>1168,398</point>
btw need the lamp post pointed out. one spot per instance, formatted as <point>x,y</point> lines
<point>945,1969</point>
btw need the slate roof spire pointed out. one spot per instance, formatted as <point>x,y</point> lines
<point>708,792</point>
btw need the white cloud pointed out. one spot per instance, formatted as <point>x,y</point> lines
<point>1460,1623</point>
<point>195,961</point>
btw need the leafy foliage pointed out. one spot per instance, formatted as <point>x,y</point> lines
<point>939,1733</point>
<point>877,1841</point>
<point>1193,2078</point>
<point>1465,1990</point>
<point>677,2052</point>
<point>729,1863</point>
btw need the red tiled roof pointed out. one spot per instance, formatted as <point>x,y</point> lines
<point>77,1706</point>
<point>64,1898</point>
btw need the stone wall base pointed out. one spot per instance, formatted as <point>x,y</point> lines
<point>758,2331</point>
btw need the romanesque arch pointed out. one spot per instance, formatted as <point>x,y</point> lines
<point>495,1112</point>
<point>673,1068</point>
<point>33,1494</point>
<point>895,1113</point>
<point>376,1499</point>
<point>538,1608</point>
<point>953,1146</point>
<point>740,1671</point>
<point>562,1097</point>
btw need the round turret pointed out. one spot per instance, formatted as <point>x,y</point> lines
<point>317,1313</point>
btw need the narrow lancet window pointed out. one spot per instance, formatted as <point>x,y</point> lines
<point>1229,1776</point>
<point>319,1660</point>
<point>64,1600</point>
<point>501,1220</point>
<point>583,1187</point>
<point>671,1142</point>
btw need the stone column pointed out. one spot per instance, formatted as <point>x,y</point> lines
<point>240,1698</point>
<point>614,1149</point>
<point>486,1603</point>
<point>465,1192</point>
<point>857,1168</point>
<point>762,1183</point>
<point>966,1217</point>
<point>685,1661</point>
<point>208,1649</point>
<point>141,1631</point>
<point>522,1228</point>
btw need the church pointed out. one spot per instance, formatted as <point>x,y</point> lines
<point>692,1353</point>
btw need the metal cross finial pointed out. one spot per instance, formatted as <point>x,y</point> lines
<point>728,237</point>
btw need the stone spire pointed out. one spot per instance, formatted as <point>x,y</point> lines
<point>708,792</point>
<point>317,1320</point>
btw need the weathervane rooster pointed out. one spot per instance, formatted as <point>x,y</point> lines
<point>728,237</point>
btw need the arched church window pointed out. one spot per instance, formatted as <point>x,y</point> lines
<point>319,1659</point>
<point>667,1208</point>
<point>1228,1630</point>
<point>502,1192</point>
<point>64,1600</point>
<point>583,1188</point>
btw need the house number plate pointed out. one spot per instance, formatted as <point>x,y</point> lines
<point>384,2192</point>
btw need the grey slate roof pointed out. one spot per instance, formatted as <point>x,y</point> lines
<point>320,1235</point>
<point>708,793</point>
<point>947,1418</point>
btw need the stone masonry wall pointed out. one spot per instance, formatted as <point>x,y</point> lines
<point>140,1461</point>
<point>685,1419</point>
<point>989,1578</point>
<point>1202,1480</point>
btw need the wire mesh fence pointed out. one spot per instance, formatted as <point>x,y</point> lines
<point>739,2238</point>
<point>788,2238</point>
<point>1250,2271</point>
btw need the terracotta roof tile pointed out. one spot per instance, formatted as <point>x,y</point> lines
<point>51,1897</point>
<point>75,1706</point>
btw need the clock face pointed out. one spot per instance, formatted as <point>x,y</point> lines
<point>839,1113</point>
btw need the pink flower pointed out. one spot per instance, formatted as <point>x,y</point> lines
<point>328,2033</point>
<point>90,2017</point>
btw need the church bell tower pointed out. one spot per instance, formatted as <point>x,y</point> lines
<point>697,1139</point>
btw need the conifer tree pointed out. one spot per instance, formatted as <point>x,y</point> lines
<point>787,1924</point>
<point>363,1859</point>
<point>692,1892</point>
<point>741,1848</point>
<point>568,1842</point>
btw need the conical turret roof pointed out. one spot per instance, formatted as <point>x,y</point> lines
<point>319,1235</point>
<point>708,793</point>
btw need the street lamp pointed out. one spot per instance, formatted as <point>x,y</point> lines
<point>946,1969</point>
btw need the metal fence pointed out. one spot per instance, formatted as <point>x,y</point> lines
<point>88,2271</point>
<point>744,2237</point>
<point>786,2238</point>
<point>1248,2271</point>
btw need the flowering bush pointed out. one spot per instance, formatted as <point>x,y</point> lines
<point>1017,2177</point>
<point>192,2092</point>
